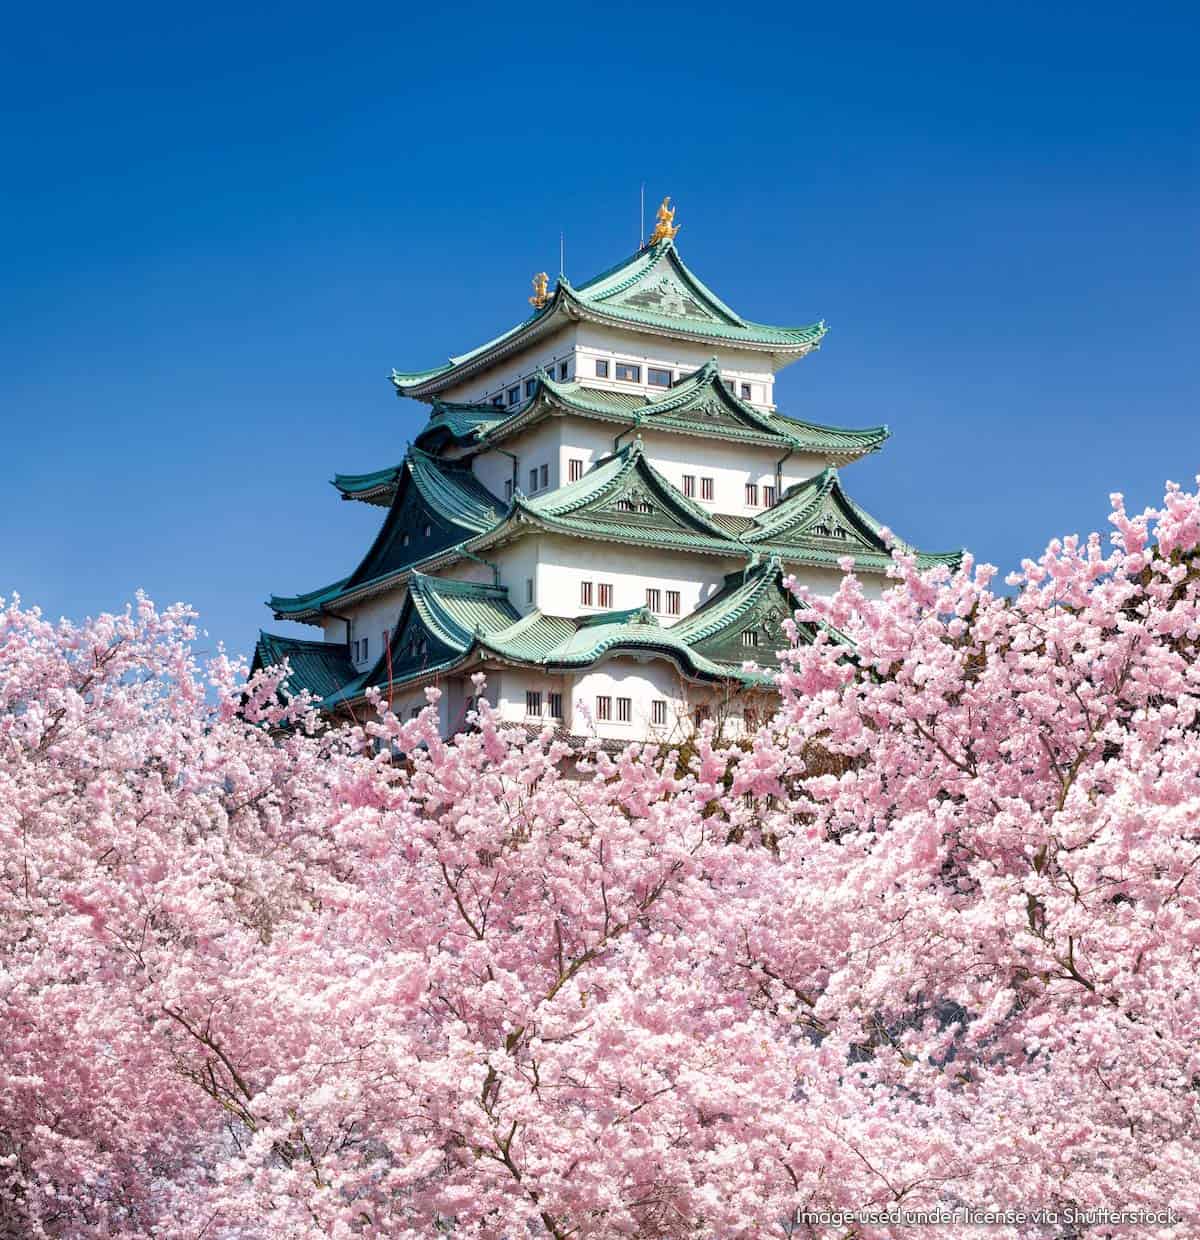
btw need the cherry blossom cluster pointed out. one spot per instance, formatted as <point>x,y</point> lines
<point>927,941</point>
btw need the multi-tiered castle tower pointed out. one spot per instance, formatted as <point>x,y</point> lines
<point>598,514</point>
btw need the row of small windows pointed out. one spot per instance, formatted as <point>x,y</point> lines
<point>513,395</point>
<point>753,491</point>
<point>533,704</point>
<point>630,372</point>
<point>757,496</point>
<point>535,700</point>
<point>600,594</point>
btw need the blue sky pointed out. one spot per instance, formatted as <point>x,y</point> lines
<point>223,226</point>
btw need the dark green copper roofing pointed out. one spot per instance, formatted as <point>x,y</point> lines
<point>441,497</point>
<point>454,423</point>
<point>817,522</point>
<point>444,624</point>
<point>320,668</point>
<point>622,499</point>
<point>373,488</point>
<point>700,404</point>
<point>651,290</point>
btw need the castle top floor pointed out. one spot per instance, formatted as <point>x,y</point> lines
<point>635,328</point>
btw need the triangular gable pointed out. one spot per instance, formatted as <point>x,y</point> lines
<point>703,402</point>
<point>818,515</point>
<point>626,494</point>
<point>436,506</point>
<point>755,602</point>
<point>656,281</point>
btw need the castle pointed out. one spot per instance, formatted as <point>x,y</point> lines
<point>599,515</point>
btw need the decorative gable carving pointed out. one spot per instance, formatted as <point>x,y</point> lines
<point>666,296</point>
<point>830,524</point>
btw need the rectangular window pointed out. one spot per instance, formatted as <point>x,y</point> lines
<point>354,650</point>
<point>749,637</point>
<point>706,488</point>
<point>700,714</point>
<point>530,384</point>
<point>508,488</point>
<point>689,485</point>
<point>544,476</point>
<point>658,378</point>
<point>745,391</point>
<point>533,702</point>
<point>601,368</point>
<point>563,369</point>
<point>529,589</point>
<point>414,712</point>
<point>605,594</point>
<point>654,599</point>
<point>574,469</point>
<point>624,710</point>
<point>752,494</point>
<point>556,706</point>
<point>769,497</point>
<point>498,401</point>
<point>363,652</point>
<point>658,713</point>
<point>629,373</point>
<point>672,602</point>
<point>604,708</point>
<point>514,395</point>
<point>585,593</point>
<point>532,480</point>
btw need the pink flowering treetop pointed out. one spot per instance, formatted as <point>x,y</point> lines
<point>928,940</point>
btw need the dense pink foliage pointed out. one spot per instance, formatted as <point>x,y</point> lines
<point>931,940</point>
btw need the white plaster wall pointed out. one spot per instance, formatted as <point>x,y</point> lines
<point>540,445</point>
<point>563,563</point>
<point>469,570</point>
<point>730,465</point>
<point>496,380</point>
<point>579,345</point>
<point>642,683</point>
<point>594,340</point>
<point>369,619</point>
<point>519,562</point>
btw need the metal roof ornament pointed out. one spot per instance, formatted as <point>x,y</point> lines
<point>541,290</point>
<point>665,227</point>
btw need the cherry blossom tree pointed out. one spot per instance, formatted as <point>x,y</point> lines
<point>928,940</point>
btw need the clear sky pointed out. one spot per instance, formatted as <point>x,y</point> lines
<point>223,225</point>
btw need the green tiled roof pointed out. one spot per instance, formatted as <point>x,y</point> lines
<point>593,637</point>
<point>652,290</point>
<point>699,404</point>
<point>817,522</point>
<point>321,668</point>
<point>442,496</point>
<point>456,611</point>
<point>457,423</point>
<point>373,488</point>
<point>444,624</point>
<point>622,499</point>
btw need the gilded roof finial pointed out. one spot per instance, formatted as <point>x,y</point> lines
<point>665,228</point>
<point>541,294</point>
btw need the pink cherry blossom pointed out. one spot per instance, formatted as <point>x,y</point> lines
<point>927,940</point>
